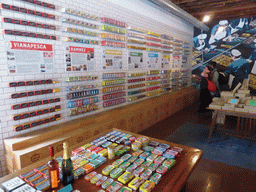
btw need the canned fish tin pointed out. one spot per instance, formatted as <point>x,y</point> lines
<point>136,146</point>
<point>111,152</point>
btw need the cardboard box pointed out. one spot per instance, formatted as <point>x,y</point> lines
<point>241,110</point>
<point>213,106</point>
<point>227,94</point>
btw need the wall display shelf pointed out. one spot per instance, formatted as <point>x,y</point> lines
<point>114,102</point>
<point>136,35</point>
<point>79,40</point>
<point>165,47</point>
<point>110,36</point>
<point>153,34</point>
<point>113,89</point>
<point>81,32</point>
<point>136,47</point>
<point>154,92</point>
<point>154,50</point>
<point>184,73</point>
<point>81,87</point>
<point>136,29</point>
<point>36,113</point>
<point>84,109</point>
<point>113,82</point>
<point>40,3</point>
<point>82,94</point>
<point>34,103</point>
<point>113,22</point>
<point>112,29</point>
<point>175,78</point>
<point>166,42</point>
<point>87,98</point>
<point>165,80</point>
<point>83,102</point>
<point>166,37</point>
<point>113,44</point>
<point>113,86</point>
<point>153,83</point>
<point>113,95</point>
<point>79,14</point>
<point>80,23</point>
<point>136,74</point>
<point>153,44</point>
<point>136,41</point>
<point>136,86</point>
<point>33,93</point>
<point>120,29</point>
<point>28,23</point>
<point>36,123</point>
<point>27,11</point>
<point>30,83</point>
<point>28,34</point>
<point>153,39</point>
<point>83,105</point>
<point>81,78</point>
<point>113,75</point>
<point>167,52</point>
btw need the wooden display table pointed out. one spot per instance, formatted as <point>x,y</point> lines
<point>174,180</point>
<point>245,127</point>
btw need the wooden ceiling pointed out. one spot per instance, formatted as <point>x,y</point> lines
<point>218,9</point>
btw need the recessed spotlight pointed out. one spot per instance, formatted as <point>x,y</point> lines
<point>206,18</point>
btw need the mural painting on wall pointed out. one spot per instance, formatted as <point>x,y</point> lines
<point>232,45</point>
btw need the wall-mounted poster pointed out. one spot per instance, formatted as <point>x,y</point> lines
<point>152,60</point>
<point>29,58</point>
<point>166,60</point>
<point>176,61</point>
<point>79,59</point>
<point>112,60</point>
<point>135,61</point>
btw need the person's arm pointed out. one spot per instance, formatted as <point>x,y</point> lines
<point>216,78</point>
<point>229,70</point>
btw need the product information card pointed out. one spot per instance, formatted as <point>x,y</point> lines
<point>166,62</point>
<point>112,60</point>
<point>135,61</point>
<point>153,60</point>
<point>79,59</point>
<point>29,58</point>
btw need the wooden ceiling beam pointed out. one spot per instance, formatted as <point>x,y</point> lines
<point>177,2</point>
<point>232,10</point>
<point>196,7</point>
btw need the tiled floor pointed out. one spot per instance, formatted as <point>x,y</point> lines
<point>208,176</point>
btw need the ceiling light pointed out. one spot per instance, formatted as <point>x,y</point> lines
<point>206,18</point>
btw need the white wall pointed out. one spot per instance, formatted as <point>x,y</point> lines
<point>137,13</point>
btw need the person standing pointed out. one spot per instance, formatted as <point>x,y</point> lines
<point>205,95</point>
<point>215,78</point>
<point>239,68</point>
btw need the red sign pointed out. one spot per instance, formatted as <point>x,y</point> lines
<point>30,46</point>
<point>176,57</point>
<point>80,49</point>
